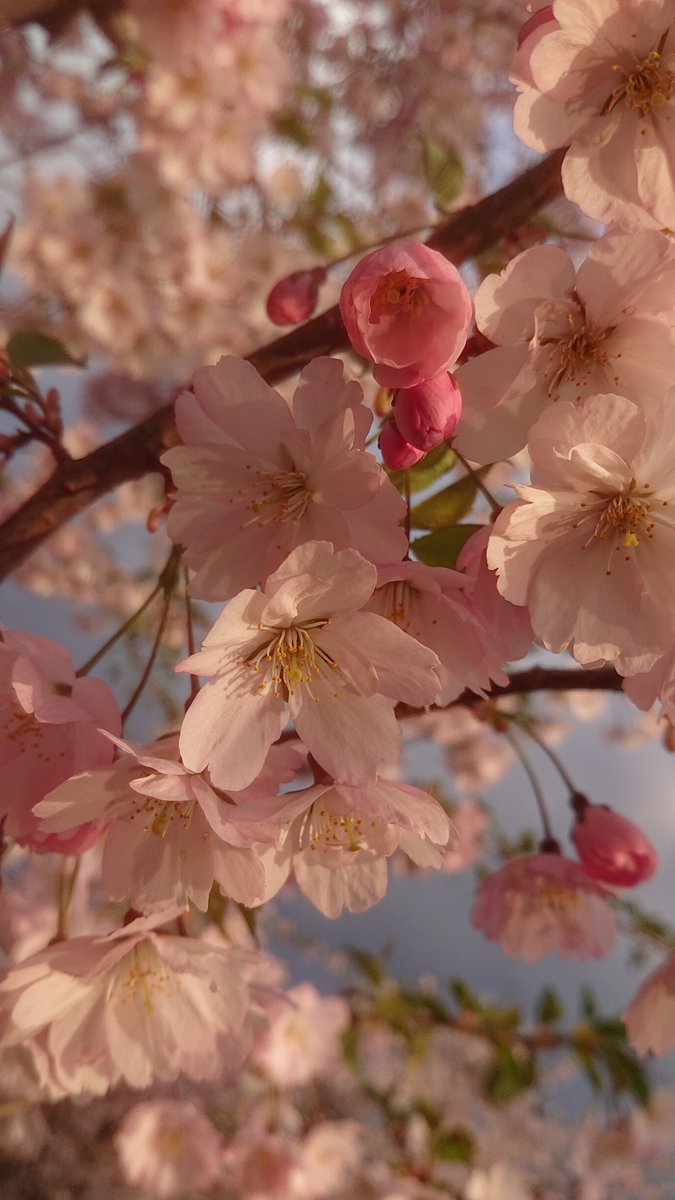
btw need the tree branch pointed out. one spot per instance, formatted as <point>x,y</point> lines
<point>79,482</point>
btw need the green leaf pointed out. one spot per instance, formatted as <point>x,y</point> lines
<point>427,470</point>
<point>457,1146</point>
<point>588,1066</point>
<point>368,965</point>
<point>28,348</point>
<point>350,1046</point>
<point>444,171</point>
<point>443,547</point>
<point>512,1072</point>
<point>549,1008</point>
<point>447,507</point>
<point>465,996</point>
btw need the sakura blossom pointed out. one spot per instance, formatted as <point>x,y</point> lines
<point>429,604</point>
<point>127,1007</point>
<point>407,310</point>
<point>295,297</point>
<point>545,903</point>
<point>588,545</point>
<point>302,642</point>
<point>562,334</point>
<point>50,730</point>
<point>600,78</point>
<point>650,1016</point>
<point>428,413</point>
<point>397,454</point>
<point>169,1148</point>
<point>509,624</point>
<point>611,848</point>
<point>170,833</point>
<point>302,1041</point>
<point>258,477</point>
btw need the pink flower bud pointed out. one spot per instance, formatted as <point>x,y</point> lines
<point>397,454</point>
<point>428,413</point>
<point>540,17</point>
<point>294,298</point>
<point>611,848</point>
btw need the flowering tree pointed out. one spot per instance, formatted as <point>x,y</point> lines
<point>401,508</point>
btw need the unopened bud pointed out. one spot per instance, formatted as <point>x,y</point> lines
<point>294,298</point>
<point>396,452</point>
<point>428,413</point>
<point>611,848</point>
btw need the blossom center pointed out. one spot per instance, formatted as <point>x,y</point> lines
<point>141,973</point>
<point>649,85</point>
<point>292,659</point>
<point>558,898</point>
<point>627,515</point>
<point>325,831</point>
<point>279,496</point>
<point>576,354</point>
<point>398,292</point>
<point>160,815</point>
<point>396,602</point>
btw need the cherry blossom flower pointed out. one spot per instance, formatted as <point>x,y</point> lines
<point>339,836</point>
<point>566,335</point>
<point>509,624</point>
<point>258,477</point>
<point>397,454</point>
<point>427,413</point>
<point>601,77</point>
<point>294,298</point>
<point>128,1007</point>
<point>49,730</point>
<point>301,643</point>
<point>470,822</point>
<point>611,848</point>
<point>302,1041</point>
<point>169,1148</point>
<point>500,1182</point>
<point>406,309</point>
<point>330,1157</point>
<point>543,903</point>
<point>589,546</point>
<point>170,832</point>
<point>650,1016</point>
<point>429,604</point>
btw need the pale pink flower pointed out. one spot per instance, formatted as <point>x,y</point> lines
<point>601,76</point>
<point>562,334</point>
<point>397,454</point>
<point>301,643</point>
<point>294,298</point>
<point>429,604</point>
<point>257,477</point>
<point>302,1041</point>
<point>427,413</point>
<point>509,624</point>
<point>339,838</point>
<point>128,1007</point>
<point>650,1016</point>
<point>49,730</point>
<point>543,903</point>
<point>330,1157</point>
<point>611,848</point>
<point>169,1148</point>
<point>590,546</point>
<point>262,1165</point>
<point>405,307</point>
<point>471,822</point>
<point>171,834</point>
<point>500,1182</point>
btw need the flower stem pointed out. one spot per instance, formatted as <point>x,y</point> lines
<point>495,506</point>
<point>168,585</point>
<point>534,783</point>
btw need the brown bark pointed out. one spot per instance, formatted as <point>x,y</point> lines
<point>77,483</point>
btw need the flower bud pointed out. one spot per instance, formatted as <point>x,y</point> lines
<point>428,413</point>
<point>611,848</point>
<point>396,452</point>
<point>294,298</point>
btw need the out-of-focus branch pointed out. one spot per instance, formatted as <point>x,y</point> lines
<point>78,483</point>
<point>53,14</point>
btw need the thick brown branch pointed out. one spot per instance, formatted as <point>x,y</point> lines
<point>76,484</point>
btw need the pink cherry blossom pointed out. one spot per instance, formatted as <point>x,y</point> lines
<point>330,1157</point>
<point>611,848</point>
<point>257,476</point>
<point>471,822</point>
<point>300,642</point>
<point>294,298</point>
<point>397,454</point>
<point>650,1016</point>
<point>429,604</point>
<point>566,335</point>
<point>406,309</point>
<point>302,1041</point>
<point>427,413</point>
<point>170,832</point>
<point>339,837</point>
<point>590,546</point>
<point>169,1148</point>
<point>128,1007</point>
<point>601,77</point>
<point>509,624</point>
<point>49,730</point>
<point>543,903</point>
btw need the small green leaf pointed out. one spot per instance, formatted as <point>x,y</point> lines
<point>446,507</point>
<point>427,470</point>
<point>444,171</point>
<point>443,547</point>
<point>350,1046</point>
<point>28,348</point>
<point>368,965</point>
<point>512,1072</point>
<point>465,996</point>
<point>457,1146</point>
<point>549,1008</point>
